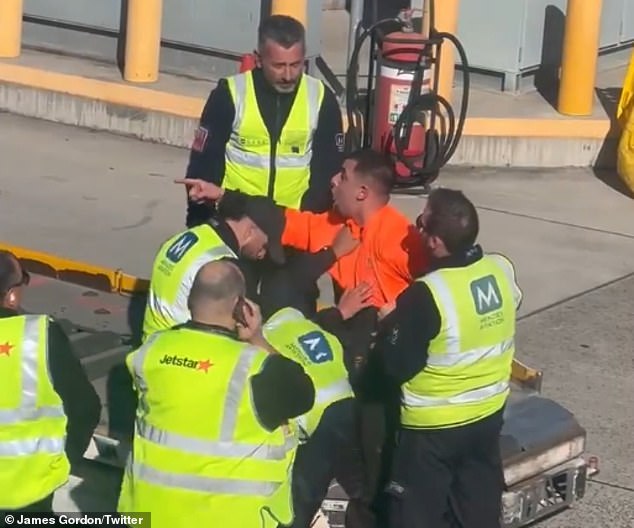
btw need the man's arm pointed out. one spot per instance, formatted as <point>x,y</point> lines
<point>207,155</point>
<point>405,334</point>
<point>80,400</point>
<point>327,155</point>
<point>281,390</point>
<point>303,230</point>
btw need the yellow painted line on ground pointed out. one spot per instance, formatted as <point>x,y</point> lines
<point>77,272</point>
<point>191,107</point>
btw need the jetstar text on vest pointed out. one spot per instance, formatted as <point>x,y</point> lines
<point>186,362</point>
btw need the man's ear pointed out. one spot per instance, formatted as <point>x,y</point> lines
<point>436,243</point>
<point>258,58</point>
<point>362,193</point>
<point>11,300</point>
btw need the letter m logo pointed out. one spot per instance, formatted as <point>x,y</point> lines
<point>181,246</point>
<point>486,295</point>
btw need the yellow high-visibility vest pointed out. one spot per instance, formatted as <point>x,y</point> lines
<point>175,267</point>
<point>625,116</point>
<point>319,352</point>
<point>200,455</point>
<point>33,462</point>
<point>249,160</point>
<point>469,365</point>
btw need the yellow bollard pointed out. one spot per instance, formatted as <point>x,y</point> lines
<point>580,55</point>
<point>446,21</point>
<point>10,28</point>
<point>143,41</point>
<point>293,8</point>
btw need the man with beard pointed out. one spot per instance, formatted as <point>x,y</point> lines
<point>274,131</point>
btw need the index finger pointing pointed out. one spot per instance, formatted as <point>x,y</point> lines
<point>186,181</point>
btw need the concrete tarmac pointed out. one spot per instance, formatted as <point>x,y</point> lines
<point>110,200</point>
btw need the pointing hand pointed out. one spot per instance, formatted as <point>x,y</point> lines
<point>200,190</point>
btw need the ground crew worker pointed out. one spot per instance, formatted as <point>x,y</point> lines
<point>249,229</point>
<point>330,447</point>
<point>48,408</point>
<point>212,444</point>
<point>449,343</point>
<point>273,131</point>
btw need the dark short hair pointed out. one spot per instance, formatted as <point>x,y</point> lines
<point>9,270</point>
<point>453,218</point>
<point>374,166</point>
<point>283,30</point>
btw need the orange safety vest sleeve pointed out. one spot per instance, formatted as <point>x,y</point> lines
<point>308,231</point>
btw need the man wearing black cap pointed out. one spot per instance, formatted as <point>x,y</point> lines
<point>239,229</point>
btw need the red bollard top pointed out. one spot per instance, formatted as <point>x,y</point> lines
<point>247,62</point>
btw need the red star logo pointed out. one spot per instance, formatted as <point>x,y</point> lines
<point>6,348</point>
<point>204,365</point>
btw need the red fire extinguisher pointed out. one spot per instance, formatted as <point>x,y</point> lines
<point>401,58</point>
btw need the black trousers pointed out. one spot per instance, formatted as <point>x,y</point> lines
<point>42,508</point>
<point>332,453</point>
<point>448,477</point>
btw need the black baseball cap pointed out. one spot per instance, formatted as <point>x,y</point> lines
<point>265,214</point>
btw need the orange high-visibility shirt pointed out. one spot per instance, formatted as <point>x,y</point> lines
<point>390,256</point>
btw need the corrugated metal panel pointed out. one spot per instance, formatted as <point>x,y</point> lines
<point>491,33</point>
<point>103,14</point>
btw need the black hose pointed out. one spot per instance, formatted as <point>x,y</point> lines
<point>466,87</point>
<point>425,167</point>
<point>355,140</point>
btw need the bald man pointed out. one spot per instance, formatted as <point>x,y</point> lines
<point>212,440</point>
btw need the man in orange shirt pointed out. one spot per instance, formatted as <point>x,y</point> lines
<point>390,254</point>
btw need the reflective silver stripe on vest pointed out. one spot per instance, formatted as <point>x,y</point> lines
<point>262,161</point>
<point>240,82</point>
<point>312,91</point>
<point>32,446</point>
<point>177,311</point>
<point>28,409</point>
<point>225,446</point>
<point>451,314</point>
<point>477,395</point>
<point>470,357</point>
<point>204,484</point>
<point>507,268</point>
<point>453,355</point>
<point>207,447</point>
<point>334,391</point>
